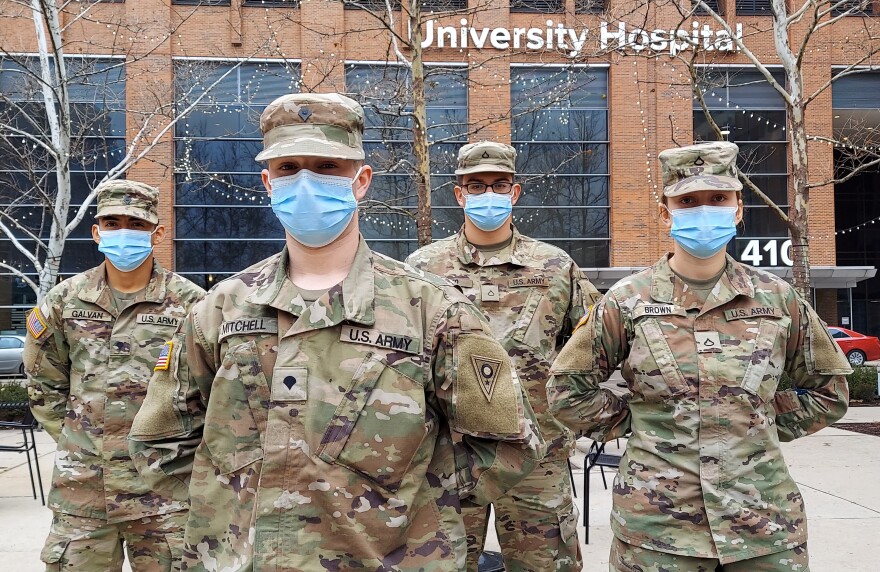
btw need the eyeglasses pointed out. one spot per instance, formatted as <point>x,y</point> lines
<point>500,188</point>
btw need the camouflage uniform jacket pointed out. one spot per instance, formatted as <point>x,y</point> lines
<point>703,473</point>
<point>339,434</point>
<point>88,371</point>
<point>533,294</point>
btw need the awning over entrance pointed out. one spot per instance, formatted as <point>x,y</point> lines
<point>823,276</point>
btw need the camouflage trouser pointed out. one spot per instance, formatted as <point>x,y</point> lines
<point>153,544</point>
<point>536,523</point>
<point>628,558</point>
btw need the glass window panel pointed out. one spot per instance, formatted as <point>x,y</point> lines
<point>560,125</point>
<point>549,223</point>
<point>253,83</point>
<point>538,88</point>
<point>79,255</point>
<point>586,253</point>
<point>217,156</point>
<point>742,87</point>
<point>221,189</point>
<point>388,226</point>
<point>775,187</point>
<point>236,121</point>
<point>763,158</point>
<point>563,158</point>
<point>858,91</point>
<point>447,220</point>
<point>96,154</point>
<point>563,191</point>
<point>223,255</point>
<point>393,190</point>
<point>762,221</point>
<point>228,222</point>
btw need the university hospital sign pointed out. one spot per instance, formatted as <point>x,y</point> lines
<point>571,41</point>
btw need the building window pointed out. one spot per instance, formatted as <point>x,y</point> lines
<point>855,8</point>
<point>27,174</point>
<point>388,214</point>
<point>753,8</point>
<point>380,6</point>
<point>272,3</point>
<point>743,103</point>
<point>201,2</point>
<point>589,6</point>
<point>537,6</point>
<point>713,4</point>
<point>223,221</point>
<point>560,132</point>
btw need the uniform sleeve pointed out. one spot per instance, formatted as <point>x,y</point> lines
<point>168,427</point>
<point>817,369</point>
<point>598,344</point>
<point>46,362</point>
<point>583,296</point>
<point>492,426</point>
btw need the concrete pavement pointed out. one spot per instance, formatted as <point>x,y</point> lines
<point>836,470</point>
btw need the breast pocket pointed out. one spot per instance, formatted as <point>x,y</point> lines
<point>765,365</point>
<point>379,427</point>
<point>537,325</point>
<point>655,366</point>
<point>232,434</point>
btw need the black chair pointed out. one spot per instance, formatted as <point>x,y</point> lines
<point>596,457</point>
<point>27,426</point>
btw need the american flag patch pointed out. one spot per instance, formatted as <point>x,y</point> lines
<point>164,357</point>
<point>36,325</point>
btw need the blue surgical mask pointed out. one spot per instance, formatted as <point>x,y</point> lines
<point>703,231</point>
<point>126,249</point>
<point>489,210</point>
<point>313,208</point>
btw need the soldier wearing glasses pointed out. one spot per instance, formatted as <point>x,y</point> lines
<point>532,294</point>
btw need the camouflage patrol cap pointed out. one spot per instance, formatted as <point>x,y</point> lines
<point>701,167</point>
<point>129,198</point>
<point>313,124</point>
<point>486,157</point>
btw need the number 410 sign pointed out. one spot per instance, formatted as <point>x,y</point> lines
<point>763,252</point>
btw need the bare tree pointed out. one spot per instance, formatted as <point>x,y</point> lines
<point>45,129</point>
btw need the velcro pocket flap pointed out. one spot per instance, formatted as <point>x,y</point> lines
<point>54,549</point>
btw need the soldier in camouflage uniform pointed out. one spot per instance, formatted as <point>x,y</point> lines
<point>332,408</point>
<point>89,354</point>
<point>532,294</point>
<point>703,341</point>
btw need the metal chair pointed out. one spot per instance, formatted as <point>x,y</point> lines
<point>27,426</point>
<point>596,457</point>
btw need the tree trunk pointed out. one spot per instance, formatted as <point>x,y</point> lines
<point>420,129</point>
<point>798,225</point>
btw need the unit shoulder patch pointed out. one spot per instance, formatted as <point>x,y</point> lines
<point>487,370</point>
<point>36,323</point>
<point>164,357</point>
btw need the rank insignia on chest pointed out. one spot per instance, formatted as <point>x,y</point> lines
<point>164,357</point>
<point>487,372</point>
<point>36,324</point>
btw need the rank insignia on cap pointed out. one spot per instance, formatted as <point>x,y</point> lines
<point>164,357</point>
<point>487,372</point>
<point>699,161</point>
<point>126,200</point>
<point>304,113</point>
<point>485,155</point>
<point>36,324</point>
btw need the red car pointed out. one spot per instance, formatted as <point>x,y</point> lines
<point>858,348</point>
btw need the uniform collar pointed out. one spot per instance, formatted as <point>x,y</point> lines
<point>353,300</point>
<point>667,287</point>
<point>97,290</point>
<point>517,252</point>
